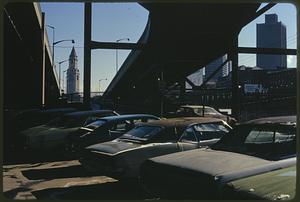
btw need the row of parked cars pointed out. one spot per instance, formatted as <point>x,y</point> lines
<point>205,155</point>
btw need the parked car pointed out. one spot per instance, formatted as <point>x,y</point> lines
<point>105,129</point>
<point>200,110</point>
<point>53,134</point>
<point>16,121</point>
<point>275,185</point>
<point>33,117</point>
<point>122,157</point>
<point>251,148</point>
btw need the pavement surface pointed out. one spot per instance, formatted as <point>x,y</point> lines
<point>64,179</point>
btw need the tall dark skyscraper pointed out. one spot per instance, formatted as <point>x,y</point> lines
<point>271,34</point>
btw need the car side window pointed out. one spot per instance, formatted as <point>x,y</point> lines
<point>148,120</point>
<point>208,131</point>
<point>199,111</point>
<point>284,135</point>
<point>138,120</point>
<point>119,126</point>
<point>260,136</point>
<point>188,135</point>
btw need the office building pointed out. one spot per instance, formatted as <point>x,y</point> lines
<point>271,34</point>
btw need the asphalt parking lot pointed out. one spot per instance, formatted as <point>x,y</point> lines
<point>63,179</point>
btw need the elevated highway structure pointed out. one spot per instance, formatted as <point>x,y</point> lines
<point>30,79</point>
<point>179,39</point>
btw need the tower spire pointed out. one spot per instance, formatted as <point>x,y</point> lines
<point>73,73</point>
<point>73,53</point>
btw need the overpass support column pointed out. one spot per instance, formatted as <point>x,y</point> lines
<point>182,91</point>
<point>87,54</point>
<point>43,76</point>
<point>233,56</point>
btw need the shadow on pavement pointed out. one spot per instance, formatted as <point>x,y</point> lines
<point>110,190</point>
<point>55,173</point>
<point>24,157</point>
<point>13,193</point>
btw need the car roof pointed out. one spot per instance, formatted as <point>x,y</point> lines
<point>182,122</point>
<point>128,116</point>
<point>90,112</point>
<point>53,110</point>
<point>195,106</point>
<point>286,120</point>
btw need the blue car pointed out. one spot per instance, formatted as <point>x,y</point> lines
<point>105,129</point>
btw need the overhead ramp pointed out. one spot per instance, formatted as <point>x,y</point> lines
<point>179,39</point>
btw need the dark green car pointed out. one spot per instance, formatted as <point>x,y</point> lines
<point>275,185</point>
<point>252,148</point>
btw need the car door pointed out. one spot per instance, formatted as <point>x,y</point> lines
<point>188,140</point>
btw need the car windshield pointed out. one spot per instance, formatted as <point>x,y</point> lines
<point>95,124</point>
<point>67,122</point>
<point>265,141</point>
<point>142,133</point>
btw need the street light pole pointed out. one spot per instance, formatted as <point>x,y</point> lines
<point>100,85</point>
<point>117,41</point>
<point>54,43</point>
<point>59,73</point>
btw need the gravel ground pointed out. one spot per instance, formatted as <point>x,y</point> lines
<point>63,180</point>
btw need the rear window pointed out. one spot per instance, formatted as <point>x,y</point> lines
<point>142,132</point>
<point>95,124</point>
<point>265,141</point>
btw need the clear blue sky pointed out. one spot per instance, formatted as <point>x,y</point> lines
<point>112,21</point>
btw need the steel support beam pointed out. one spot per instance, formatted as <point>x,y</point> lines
<point>87,53</point>
<point>113,45</point>
<point>233,56</point>
<point>43,76</point>
<point>190,83</point>
<point>272,51</point>
<point>182,90</point>
<point>263,10</point>
<point>162,94</point>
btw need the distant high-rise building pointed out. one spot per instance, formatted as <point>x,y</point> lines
<point>211,67</point>
<point>271,34</point>
<point>73,73</point>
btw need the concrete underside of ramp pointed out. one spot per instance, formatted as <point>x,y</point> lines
<point>179,39</point>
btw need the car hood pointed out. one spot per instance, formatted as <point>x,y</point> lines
<point>116,147</point>
<point>220,165</point>
<point>113,147</point>
<point>34,130</point>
